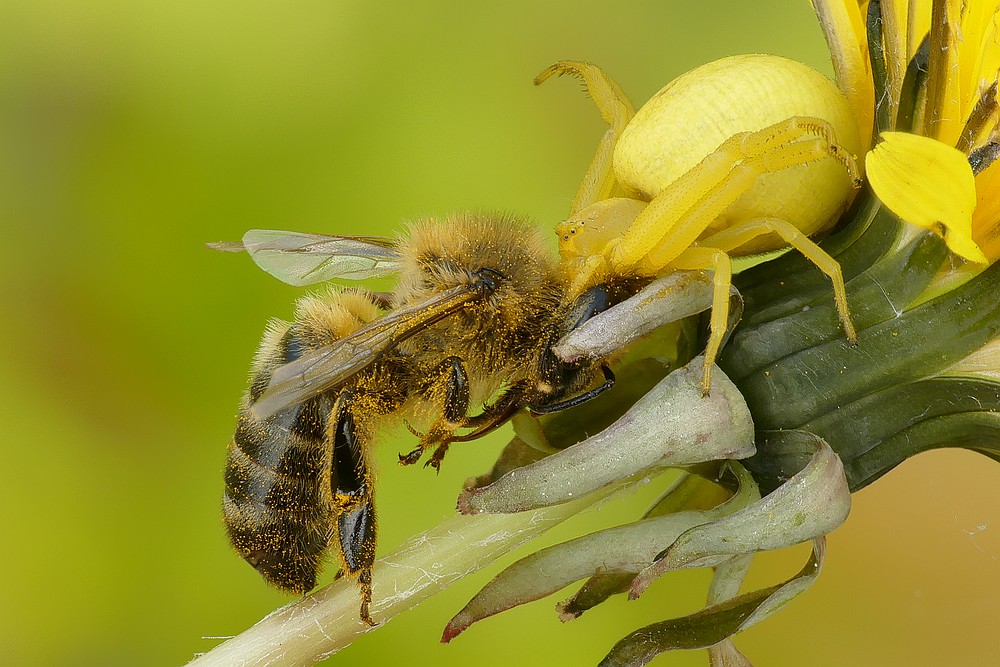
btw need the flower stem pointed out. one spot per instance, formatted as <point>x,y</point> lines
<point>309,630</point>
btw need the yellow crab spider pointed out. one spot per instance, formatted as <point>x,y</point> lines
<point>738,157</point>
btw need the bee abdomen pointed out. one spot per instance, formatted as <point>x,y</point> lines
<point>276,511</point>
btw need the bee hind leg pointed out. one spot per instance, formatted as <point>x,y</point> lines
<point>356,532</point>
<point>353,498</point>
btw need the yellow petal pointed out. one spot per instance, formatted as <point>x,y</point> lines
<point>929,184</point>
<point>979,49</point>
<point>848,41</point>
<point>896,59</point>
<point>986,219</point>
<point>943,114</point>
<point>918,24</point>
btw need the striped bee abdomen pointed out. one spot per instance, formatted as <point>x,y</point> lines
<point>277,510</point>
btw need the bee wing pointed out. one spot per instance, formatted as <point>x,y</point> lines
<point>326,367</point>
<point>301,259</point>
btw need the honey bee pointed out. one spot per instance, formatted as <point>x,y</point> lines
<point>478,305</point>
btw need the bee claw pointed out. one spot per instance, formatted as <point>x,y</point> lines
<point>367,619</point>
<point>410,458</point>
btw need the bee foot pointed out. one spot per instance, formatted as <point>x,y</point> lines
<point>437,457</point>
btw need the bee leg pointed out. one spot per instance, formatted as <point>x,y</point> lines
<point>351,484</point>
<point>356,531</point>
<point>450,383</point>
<point>438,456</point>
<point>494,415</point>
<point>412,456</point>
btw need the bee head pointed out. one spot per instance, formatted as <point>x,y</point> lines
<point>559,382</point>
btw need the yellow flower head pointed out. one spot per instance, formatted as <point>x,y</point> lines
<point>922,74</point>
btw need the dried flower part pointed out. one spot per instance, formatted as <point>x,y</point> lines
<point>669,299</point>
<point>812,503</point>
<point>673,425</point>
<point>624,549</point>
<point>714,624</point>
<point>691,491</point>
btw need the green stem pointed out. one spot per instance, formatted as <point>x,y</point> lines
<point>309,630</point>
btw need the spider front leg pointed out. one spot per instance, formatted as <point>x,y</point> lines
<point>629,237</point>
<point>715,258</point>
<point>616,110</point>
<point>678,228</point>
<point>683,210</point>
<point>713,255</point>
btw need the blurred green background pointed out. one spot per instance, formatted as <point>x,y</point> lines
<point>131,133</point>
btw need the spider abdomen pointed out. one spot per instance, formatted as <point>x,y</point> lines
<point>694,114</point>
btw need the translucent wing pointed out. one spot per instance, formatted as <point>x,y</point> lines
<point>326,367</point>
<point>301,259</point>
